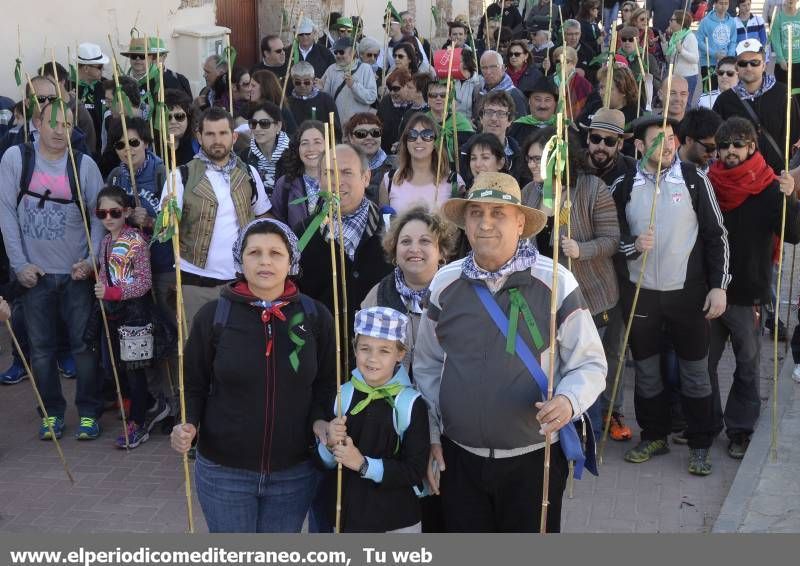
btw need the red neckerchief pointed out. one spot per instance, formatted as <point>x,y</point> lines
<point>736,185</point>
<point>268,310</point>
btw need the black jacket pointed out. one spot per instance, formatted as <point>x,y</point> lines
<point>254,411</point>
<point>316,108</point>
<point>320,58</point>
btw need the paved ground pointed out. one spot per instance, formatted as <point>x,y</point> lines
<point>142,491</point>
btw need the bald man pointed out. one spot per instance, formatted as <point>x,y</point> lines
<point>678,97</point>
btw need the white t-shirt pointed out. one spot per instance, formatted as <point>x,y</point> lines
<point>219,263</point>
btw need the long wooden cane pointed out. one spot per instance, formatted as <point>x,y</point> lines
<point>291,59</point>
<point>92,255</point>
<point>147,86</point>
<point>384,68</point>
<point>645,255</point>
<point>773,446</point>
<point>22,87</point>
<point>708,66</point>
<point>124,121</point>
<point>444,122</point>
<point>230,71</point>
<point>610,77</point>
<point>791,294</point>
<point>342,251</point>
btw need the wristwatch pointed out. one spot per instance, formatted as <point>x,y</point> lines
<point>362,471</point>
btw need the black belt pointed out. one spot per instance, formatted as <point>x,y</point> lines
<point>601,319</point>
<point>200,281</point>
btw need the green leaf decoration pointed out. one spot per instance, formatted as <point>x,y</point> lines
<point>18,72</point>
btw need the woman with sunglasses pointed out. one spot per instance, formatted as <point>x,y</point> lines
<point>364,131</point>
<point>414,181</point>
<point>393,106</point>
<point>627,39</point>
<point>405,57</point>
<point>520,67</point>
<point>296,194</point>
<point>682,50</point>
<point>640,19</point>
<point>267,142</point>
<point>628,8</point>
<point>180,124</point>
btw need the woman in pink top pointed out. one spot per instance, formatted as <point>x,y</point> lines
<point>414,180</point>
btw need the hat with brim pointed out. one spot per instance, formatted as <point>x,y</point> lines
<point>544,85</point>
<point>608,120</point>
<point>91,54</point>
<point>639,126</point>
<point>138,46</point>
<point>344,22</point>
<point>343,43</point>
<point>306,26</point>
<point>495,188</point>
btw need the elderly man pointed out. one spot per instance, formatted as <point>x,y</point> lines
<point>273,56</point>
<point>307,102</point>
<point>310,51</point>
<point>408,27</point>
<point>349,82</point>
<point>91,61</point>
<point>572,38</point>
<point>495,79</point>
<point>542,100</point>
<point>488,417</point>
<point>683,287</point>
<point>678,96</point>
<point>214,67</point>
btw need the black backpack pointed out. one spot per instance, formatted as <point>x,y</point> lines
<point>28,154</point>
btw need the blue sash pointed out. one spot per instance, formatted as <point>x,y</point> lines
<point>568,437</point>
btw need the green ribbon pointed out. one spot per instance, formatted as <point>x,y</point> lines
<point>168,216</point>
<point>395,15</point>
<point>18,72</point>
<point>387,392</point>
<point>160,116</point>
<point>554,166</point>
<point>676,39</point>
<point>529,120</point>
<point>652,149</point>
<point>294,357</point>
<point>31,104</point>
<point>230,50</point>
<point>520,305</point>
<point>295,52</point>
<point>126,102</point>
<point>316,222</point>
<point>436,15</point>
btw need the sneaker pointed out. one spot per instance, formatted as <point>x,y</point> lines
<point>157,413</point>
<point>738,446</point>
<point>699,462</point>
<point>618,430</point>
<point>646,449</point>
<point>58,427</point>
<point>14,374</point>
<point>796,373</point>
<point>88,429</point>
<point>136,435</point>
<point>66,367</point>
<point>680,438</point>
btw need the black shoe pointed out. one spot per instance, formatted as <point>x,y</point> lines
<point>157,413</point>
<point>738,446</point>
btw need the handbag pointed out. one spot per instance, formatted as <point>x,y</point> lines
<point>580,451</point>
<point>136,343</point>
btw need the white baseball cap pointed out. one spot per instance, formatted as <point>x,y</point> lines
<point>749,46</point>
<point>306,26</point>
<point>90,54</point>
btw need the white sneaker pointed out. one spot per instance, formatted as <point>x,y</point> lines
<point>796,373</point>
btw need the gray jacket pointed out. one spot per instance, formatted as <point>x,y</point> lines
<point>359,98</point>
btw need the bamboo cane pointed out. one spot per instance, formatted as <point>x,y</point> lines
<point>342,252</point>
<point>444,123</point>
<point>553,312</point>
<point>147,86</point>
<point>708,66</point>
<point>283,13</point>
<point>791,294</point>
<point>179,299</point>
<point>22,87</point>
<point>645,255</point>
<point>639,56</point>
<point>387,22</point>
<point>773,446</point>
<point>230,72</point>
<point>124,121</point>
<point>568,201</point>
<point>609,78</point>
<point>453,110</point>
<point>39,400</point>
<point>77,80</point>
<point>336,316</point>
<point>79,193</point>
<point>291,60</point>
<point>163,118</point>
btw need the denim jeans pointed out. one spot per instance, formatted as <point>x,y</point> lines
<point>609,21</point>
<point>243,501</point>
<point>21,331</point>
<point>58,298</point>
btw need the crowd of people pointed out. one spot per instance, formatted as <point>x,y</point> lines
<point>676,180</point>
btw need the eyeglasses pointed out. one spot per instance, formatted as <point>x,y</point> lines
<point>608,141</point>
<point>427,135</point>
<point>339,52</point>
<point>489,67</point>
<point>136,57</point>
<point>41,99</point>
<point>441,95</point>
<point>263,123</point>
<point>708,147</point>
<point>726,73</point>
<point>626,39</point>
<point>344,30</point>
<point>370,55</point>
<point>362,134</point>
<point>533,158</point>
<point>738,144</point>
<point>304,82</point>
<point>134,143</point>
<point>178,116</point>
<point>515,53</point>
<point>751,62</point>
<point>495,113</point>
<point>101,213</point>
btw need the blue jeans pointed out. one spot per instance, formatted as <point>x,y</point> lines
<point>692,82</point>
<point>243,501</point>
<point>54,299</point>
<point>609,21</point>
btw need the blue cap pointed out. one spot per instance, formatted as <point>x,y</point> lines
<point>381,322</point>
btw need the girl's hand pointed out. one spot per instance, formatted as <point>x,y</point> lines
<point>336,432</point>
<point>99,290</point>
<point>139,216</point>
<point>348,455</point>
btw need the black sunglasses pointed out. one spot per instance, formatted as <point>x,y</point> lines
<point>42,98</point>
<point>178,116</point>
<point>626,39</point>
<point>120,145</point>
<point>515,54</point>
<point>305,82</point>
<point>427,135</point>
<point>263,123</point>
<point>709,147</point>
<point>608,141</point>
<point>362,134</point>
<point>751,62</point>
<point>441,95</point>
<point>339,52</point>
<point>738,144</point>
<point>726,73</point>
<point>135,56</point>
<point>101,213</point>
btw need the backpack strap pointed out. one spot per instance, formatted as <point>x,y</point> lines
<point>403,405</point>
<point>28,165</point>
<point>309,306</point>
<point>28,154</point>
<point>390,173</point>
<point>221,315</point>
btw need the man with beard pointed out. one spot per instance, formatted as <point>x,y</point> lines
<point>604,144</point>
<point>218,195</point>
<point>696,134</point>
<point>751,197</point>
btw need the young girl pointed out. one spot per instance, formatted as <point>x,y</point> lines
<point>382,441</point>
<point>125,280</point>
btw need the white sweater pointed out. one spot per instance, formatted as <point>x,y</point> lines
<point>686,61</point>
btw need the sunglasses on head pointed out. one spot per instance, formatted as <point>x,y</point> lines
<point>101,213</point>
<point>738,144</point>
<point>339,52</point>
<point>427,135</point>
<point>750,62</point>
<point>136,57</point>
<point>362,134</point>
<point>726,73</point>
<point>263,123</point>
<point>608,141</point>
<point>304,82</point>
<point>120,145</point>
<point>178,116</point>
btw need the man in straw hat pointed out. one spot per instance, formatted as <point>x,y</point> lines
<point>144,54</point>
<point>487,418</point>
<point>683,286</point>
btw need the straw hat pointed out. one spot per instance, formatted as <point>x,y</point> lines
<point>609,120</point>
<point>495,188</point>
<point>137,46</point>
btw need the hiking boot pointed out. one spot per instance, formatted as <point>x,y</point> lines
<point>738,446</point>
<point>58,427</point>
<point>618,430</point>
<point>646,449</point>
<point>680,438</point>
<point>699,462</point>
<point>157,413</point>
<point>66,367</point>
<point>136,435</point>
<point>88,429</point>
<point>14,374</point>
<point>796,373</point>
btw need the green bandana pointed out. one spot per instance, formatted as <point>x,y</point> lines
<point>675,40</point>
<point>529,120</point>
<point>387,391</point>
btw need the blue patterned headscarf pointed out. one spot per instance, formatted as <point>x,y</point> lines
<point>294,253</point>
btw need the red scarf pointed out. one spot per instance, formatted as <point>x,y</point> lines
<point>734,186</point>
<point>516,75</point>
